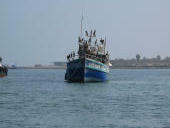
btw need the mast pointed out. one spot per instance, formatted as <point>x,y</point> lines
<point>105,46</point>
<point>81,25</point>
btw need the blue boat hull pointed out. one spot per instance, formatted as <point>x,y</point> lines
<point>95,76</point>
<point>86,70</point>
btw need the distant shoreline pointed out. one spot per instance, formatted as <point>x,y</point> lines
<point>145,63</point>
<point>43,67</point>
<point>141,67</point>
<point>116,67</point>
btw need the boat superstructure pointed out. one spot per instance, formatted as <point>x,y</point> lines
<point>91,63</point>
<point>3,69</point>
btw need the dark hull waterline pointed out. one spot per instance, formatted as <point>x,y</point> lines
<point>86,70</point>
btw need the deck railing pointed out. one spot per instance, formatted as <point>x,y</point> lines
<point>87,56</point>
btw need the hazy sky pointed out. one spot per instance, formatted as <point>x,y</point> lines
<point>43,31</point>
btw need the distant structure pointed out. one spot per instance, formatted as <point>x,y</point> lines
<point>138,57</point>
<point>59,63</point>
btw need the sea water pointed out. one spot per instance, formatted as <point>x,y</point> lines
<point>41,99</point>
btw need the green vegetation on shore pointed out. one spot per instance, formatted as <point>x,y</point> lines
<point>144,62</point>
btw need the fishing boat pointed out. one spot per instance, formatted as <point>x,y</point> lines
<point>91,63</point>
<point>3,69</point>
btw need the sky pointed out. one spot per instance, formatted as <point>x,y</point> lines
<point>44,31</point>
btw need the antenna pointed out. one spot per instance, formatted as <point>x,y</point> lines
<point>81,24</point>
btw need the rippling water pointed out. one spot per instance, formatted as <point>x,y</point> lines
<point>41,99</point>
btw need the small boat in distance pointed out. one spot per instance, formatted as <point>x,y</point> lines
<point>91,64</point>
<point>3,69</point>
